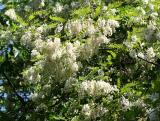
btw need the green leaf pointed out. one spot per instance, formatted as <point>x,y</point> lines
<point>34,14</point>
<point>127,87</point>
<point>2,59</point>
<point>21,21</point>
<point>56,18</point>
<point>113,54</point>
<point>82,12</point>
<point>97,11</point>
<point>56,118</point>
<point>49,26</point>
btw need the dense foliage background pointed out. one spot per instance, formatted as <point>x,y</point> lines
<point>75,60</point>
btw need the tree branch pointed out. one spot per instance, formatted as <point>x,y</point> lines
<point>107,49</point>
<point>149,62</point>
<point>14,89</point>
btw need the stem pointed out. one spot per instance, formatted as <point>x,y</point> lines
<point>149,62</point>
<point>14,89</point>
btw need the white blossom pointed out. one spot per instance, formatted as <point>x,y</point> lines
<point>34,96</point>
<point>11,14</point>
<point>151,6</point>
<point>107,30</point>
<point>154,15</point>
<point>39,44</point>
<point>103,87</point>
<point>128,44</point>
<point>113,23</point>
<point>102,39</point>
<point>126,104</point>
<point>86,110</point>
<point>40,29</point>
<point>150,53</point>
<point>104,8</point>
<point>74,27</point>
<point>70,83</point>
<point>57,42</point>
<point>101,23</point>
<point>141,55</point>
<point>141,10</point>
<point>42,3</point>
<point>34,53</point>
<point>59,28</point>
<point>75,4</point>
<point>46,87</point>
<point>134,38</point>
<point>58,8</point>
<point>145,1</point>
<point>132,53</point>
<point>27,38</point>
<point>95,88</point>
<point>74,66</point>
<point>91,30</point>
<point>100,72</point>
<point>113,11</point>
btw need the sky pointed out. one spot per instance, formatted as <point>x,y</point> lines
<point>2,6</point>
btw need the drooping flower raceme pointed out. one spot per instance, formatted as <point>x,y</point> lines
<point>93,110</point>
<point>150,54</point>
<point>96,88</point>
<point>57,62</point>
<point>11,14</point>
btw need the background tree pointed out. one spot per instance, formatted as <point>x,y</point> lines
<point>80,60</point>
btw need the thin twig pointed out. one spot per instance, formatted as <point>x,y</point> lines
<point>14,89</point>
<point>149,62</point>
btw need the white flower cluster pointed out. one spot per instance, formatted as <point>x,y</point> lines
<point>107,26</point>
<point>150,31</point>
<point>96,88</point>
<point>145,2</point>
<point>11,14</point>
<point>127,104</point>
<point>59,60</point>
<point>75,4</point>
<point>34,96</point>
<point>92,111</point>
<point>86,110</point>
<point>74,27</point>
<point>30,34</point>
<point>58,8</point>
<point>130,44</point>
<point>154,15</point>
<point>45,90</point>
<point>26,38</point>
<point>55,63</point>
<point>90,48</point>
<point>69,84</point>
<point>32,74</point>
<point>40,29</point>
<point>149,55</point>
<point>88,26</point>
<point>59,28</point>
